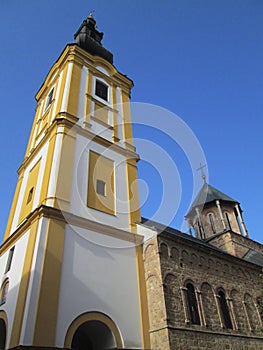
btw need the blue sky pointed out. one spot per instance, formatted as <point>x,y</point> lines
<point>200,59</point>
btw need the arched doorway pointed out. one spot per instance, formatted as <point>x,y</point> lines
<point>93,335</point>
<point>2,334</point>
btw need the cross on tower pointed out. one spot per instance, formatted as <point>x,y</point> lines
<point>202,171</point>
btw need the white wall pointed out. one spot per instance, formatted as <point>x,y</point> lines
<point>14,275</point>
<point>28,325</point>
<point>96,277</point>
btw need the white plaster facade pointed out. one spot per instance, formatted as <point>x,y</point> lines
<point>14,275</point>
<point>97,277</point>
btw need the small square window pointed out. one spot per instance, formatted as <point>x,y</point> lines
<point>101,90</point>
<point>9,259</point>
<point>101,187</point>
<point>49,99</point>
<point>30,195</point>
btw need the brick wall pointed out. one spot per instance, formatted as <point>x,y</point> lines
<point>170,263</point>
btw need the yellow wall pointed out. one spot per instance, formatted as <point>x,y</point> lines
<point>101,168</point>
<point>101,113</point>
<point>46,318</point>
<point>31,184</point>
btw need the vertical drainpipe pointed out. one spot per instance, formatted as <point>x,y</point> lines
<point>241,221</point>
<point>221,214</point>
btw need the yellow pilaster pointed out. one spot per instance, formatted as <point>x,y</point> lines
<point>73,97</point>
<point>14,204</point>
<point>114,117</point>
<point>135,216</point>
<point>88,103</point>
<point>31,185</point>
<point>133,193</point>
<point>60,96</point>
<point>48,166</point>
<point>127,117</point>
<point>46,317</point>
<point>32,132</point>
<point>23,288</point>
<point>145,323</point>
<point>64,185</point>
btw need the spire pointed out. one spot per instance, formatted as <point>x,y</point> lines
<point>209,194</point>
<point>89,38</point>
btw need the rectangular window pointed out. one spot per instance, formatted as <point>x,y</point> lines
<point>49,99</point>
<point>101,90</point>
<point>101,187</point>
<point>30,195</point>
<point>9,260</point>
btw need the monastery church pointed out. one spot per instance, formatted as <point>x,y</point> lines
<point>80,269</point>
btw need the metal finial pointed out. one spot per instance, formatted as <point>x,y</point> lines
<point>202,171</point>
<point>91,14</point>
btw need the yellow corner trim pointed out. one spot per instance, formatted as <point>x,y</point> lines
<point>23,288</point>
<point>46,318</point>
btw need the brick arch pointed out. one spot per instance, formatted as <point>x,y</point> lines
<point>209,305</point>
<point>163,249</point>
<point>211,264</point>
<point>189,280</point>
<point>202,261</point>
<point>226,268</point>
<point>238,309</point>
<point>174,253</point>
<point>167,275</point>
<point>153,274</point>
<point>191,302</point>
<point>253,321</point>
<point>224,310</point>
<point>194,259</point>
<point>154,294</point>
<point>241,272</point>
<point>173,299</point>
<point>185,256</point>
<point>148,250</point>
<point>218,266</point>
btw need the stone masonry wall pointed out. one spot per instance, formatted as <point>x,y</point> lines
<point>235,244</point>
<point>170,263</point>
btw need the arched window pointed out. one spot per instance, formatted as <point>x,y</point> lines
<point>192,304</point>
<point>228,221</point>
<point>200,230</point>
<point>226,319</point>
<point>212,222</point>
<point>4,291</point>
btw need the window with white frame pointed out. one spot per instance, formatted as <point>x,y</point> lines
<point>49,99</point>
<point>101,90</point>
<point>9,259</point>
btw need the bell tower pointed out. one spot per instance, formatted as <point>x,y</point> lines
<point>217,218</point>
<point>71,259</point>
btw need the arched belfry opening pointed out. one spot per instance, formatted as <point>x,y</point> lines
<point>93,335</point>
<point>2,334</point>
<point>214,213</point>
